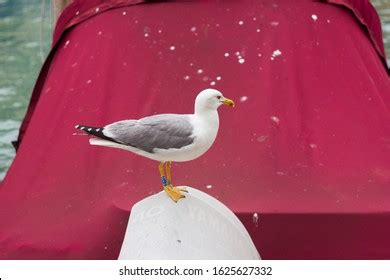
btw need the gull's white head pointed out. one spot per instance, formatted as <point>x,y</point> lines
<point>211,99</point>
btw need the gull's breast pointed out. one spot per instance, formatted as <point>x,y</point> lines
<point>205,132</point>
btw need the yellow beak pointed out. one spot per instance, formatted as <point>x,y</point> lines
<point>228,102</point>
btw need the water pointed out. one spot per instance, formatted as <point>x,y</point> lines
<point>383,8</point>
<point>21,52</point>
<point>25,34</point>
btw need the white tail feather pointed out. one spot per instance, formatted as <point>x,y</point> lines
<point>106,143</point>
<point>102,142</point>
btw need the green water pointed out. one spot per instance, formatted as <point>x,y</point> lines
<point>383,8</point>
<point>25,34</point>
<point>22,29</point>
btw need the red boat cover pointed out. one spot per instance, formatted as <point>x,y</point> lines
<point>307,147</point>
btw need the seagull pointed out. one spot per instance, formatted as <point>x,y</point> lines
<point>166,138</point>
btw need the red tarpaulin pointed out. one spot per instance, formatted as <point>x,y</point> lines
<point>307,147</point>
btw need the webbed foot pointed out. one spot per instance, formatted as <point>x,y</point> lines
<point>175,193</point>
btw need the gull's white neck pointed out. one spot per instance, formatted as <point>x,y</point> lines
<point>208,120</point>
<point>209,115</point>
<point>206,124</point>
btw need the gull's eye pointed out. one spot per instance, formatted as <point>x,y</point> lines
<point>218,97</point>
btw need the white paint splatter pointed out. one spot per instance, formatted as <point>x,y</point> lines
<point>100,33</point>
<point>274,23</point>
<point>186,77</point>
<point>262,138</point>
<point>66,43</point>
<point>314,17</point>
<point>209,187</point>
<point>313,145</point>
<point>275,119</point>
<point>241,61</point>
<point>193,29</point>
<point>124,13</point>
<point>254,19</point>
<point>255,219</point>
<point>258,30</point>
<point>226,54</point>
<point>275,54</point>
<point>77,13</point>
<point>212,83</point>
<point>97,9</point>
<point>241,22</point>
<point>243,98</point>
<point>219,78</point>
<point>89,81</point>
<point>146,35</point>
<point>159,31</point>
<point>200,71</point>
<point>328,20</point>
<point>172,48</point>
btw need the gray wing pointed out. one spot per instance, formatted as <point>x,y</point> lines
<point>160,131</point>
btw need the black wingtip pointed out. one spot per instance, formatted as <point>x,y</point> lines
<point>90,129</point>
<point>95,131</point>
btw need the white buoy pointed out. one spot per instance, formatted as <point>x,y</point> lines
<point>196,227</point>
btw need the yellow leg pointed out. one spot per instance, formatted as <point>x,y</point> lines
<point>161,169</point>
<point>162,174</point>
<point>168,166</point>
<point>173,192</point>
<point>168,172</point>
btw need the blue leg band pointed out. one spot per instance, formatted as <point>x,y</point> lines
<point>164,180</point>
